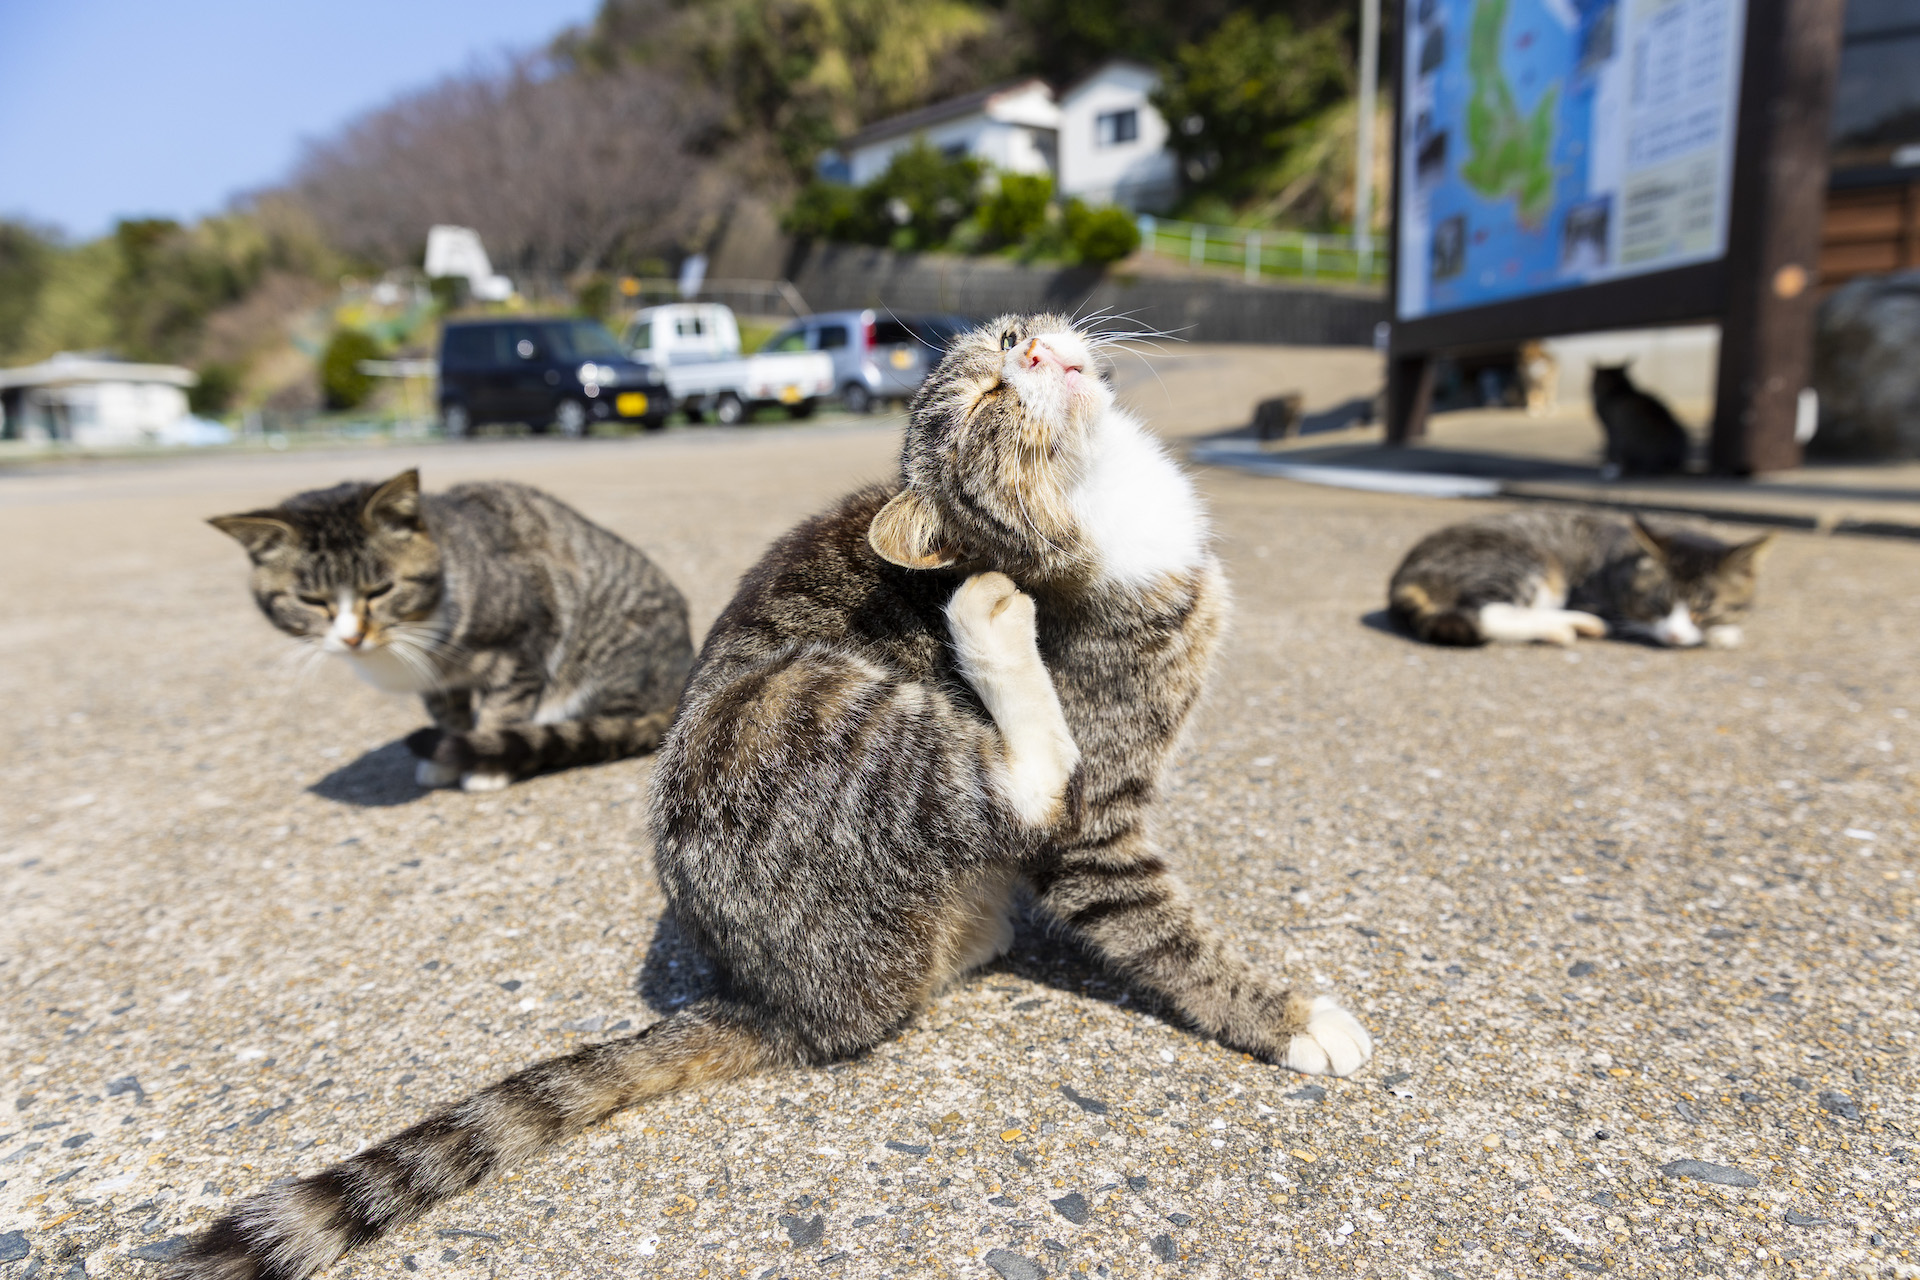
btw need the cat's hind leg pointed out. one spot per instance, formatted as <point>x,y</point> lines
<point>993,628</point>
<point>1109,886</point>
<point>1519,623</point>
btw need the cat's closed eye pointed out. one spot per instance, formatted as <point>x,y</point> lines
<point>374,593</point>
<point>317,601</point>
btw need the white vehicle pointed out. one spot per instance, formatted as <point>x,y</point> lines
<point>697,346</point>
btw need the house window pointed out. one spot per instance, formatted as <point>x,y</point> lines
<point>955,150</point>
<point>1111,128</point>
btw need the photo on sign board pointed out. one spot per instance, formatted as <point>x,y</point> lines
<point>1450,247</point>
<point>1430,164</point>
<point>1597,37</point>
<point>1583,236</point>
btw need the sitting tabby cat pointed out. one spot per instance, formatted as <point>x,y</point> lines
<point>1643,436</point>
<point>536,638</point>
<point>931,697</point>
<point>1556,574</point>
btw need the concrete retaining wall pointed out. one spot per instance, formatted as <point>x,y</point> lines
<point>844,277</point>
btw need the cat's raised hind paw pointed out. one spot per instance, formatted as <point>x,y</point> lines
<point>1333,1044</point>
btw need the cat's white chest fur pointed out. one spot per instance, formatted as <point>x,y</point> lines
<point>384,669</point>
<point>1136,508</point>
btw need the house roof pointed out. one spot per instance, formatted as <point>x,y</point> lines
<point>1131,64</point>
<point>68,368</point>
<point>939,112</point>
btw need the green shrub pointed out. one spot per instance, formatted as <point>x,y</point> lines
<point>1018,210</point>
<point>25,259</point>
<point>218,385</point>
<point>922,196</point>
<point>1103,235</point>
<point>914,205</point>
<point>826,211</point>
<point>450,293</point>
<point>593,297</point>
<point>342,384</point>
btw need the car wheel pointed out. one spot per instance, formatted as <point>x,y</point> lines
<point>571,417</point>
<point>658,422</point>
<point>802,410</point>
<point>728,410</point>
<point>857,398</point>
<point>695,413</point>
<point>455,422</point>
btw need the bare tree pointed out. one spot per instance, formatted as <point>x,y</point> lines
<point>560,170</point>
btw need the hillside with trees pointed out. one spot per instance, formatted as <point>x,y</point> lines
<point>625,144</point>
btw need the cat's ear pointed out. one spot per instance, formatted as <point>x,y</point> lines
<point>261,533</point>
<point>395,505</point>
<point>1746,556</point>
<point>1650,540</point>
<point>907,532</point>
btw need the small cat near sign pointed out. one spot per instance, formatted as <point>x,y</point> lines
<point>1643,436</point>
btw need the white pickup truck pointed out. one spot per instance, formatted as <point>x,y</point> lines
<point>697,346</point>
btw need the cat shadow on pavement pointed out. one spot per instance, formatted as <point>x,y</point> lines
<point>1381,620</point>
<point>675,973</point>
<point>379,779</point>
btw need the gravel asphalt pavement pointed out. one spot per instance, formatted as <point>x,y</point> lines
<point>1634,929</point>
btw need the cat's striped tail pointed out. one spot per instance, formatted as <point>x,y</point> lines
<point>1418,612</point>
<point>522,750</point>
<point>293,1229</point>
<point>1437,624</point>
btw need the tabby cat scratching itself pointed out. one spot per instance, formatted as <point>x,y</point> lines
<point>1557,574</point>
<point>932,696</point>
<point>536,638</point>
<point>1643,436</point>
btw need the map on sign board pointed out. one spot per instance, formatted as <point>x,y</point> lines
<point>1547,144</point>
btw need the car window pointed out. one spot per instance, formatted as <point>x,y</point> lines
<point>833,337</point>
<point>891,333</point>
<point>468,348</point>
<point>689,326</point>
<point>577,340</point>
<point>640,335</point>
<point>786,340</point>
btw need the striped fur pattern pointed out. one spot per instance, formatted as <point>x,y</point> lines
<point>537,639</point>
<point>1555,574</point>
<point>296,1228</point>
<point>937,695</point>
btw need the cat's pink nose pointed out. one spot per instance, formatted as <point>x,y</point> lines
<point>1038,353</point>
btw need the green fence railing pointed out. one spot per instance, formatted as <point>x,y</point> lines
<point>1293,254</point>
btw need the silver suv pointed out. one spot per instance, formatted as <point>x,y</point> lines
<point>875,356</point>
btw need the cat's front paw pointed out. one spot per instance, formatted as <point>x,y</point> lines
<point>1333,1043</point>
<point>992,622</point>
<point>1725,635</point>
<point>430,773</point>
<point>478,781</point>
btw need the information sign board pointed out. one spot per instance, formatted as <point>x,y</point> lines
<point>1550,144</point>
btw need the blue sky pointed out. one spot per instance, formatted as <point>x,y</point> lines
<point>117,108</point>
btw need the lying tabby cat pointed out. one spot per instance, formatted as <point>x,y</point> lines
<point>931,697</point>
<point>536,638</point>
<point>1557,574</point>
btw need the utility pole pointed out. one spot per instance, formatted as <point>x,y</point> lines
<point>1363,151</point>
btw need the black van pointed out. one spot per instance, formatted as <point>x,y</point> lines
<point>566,373</point>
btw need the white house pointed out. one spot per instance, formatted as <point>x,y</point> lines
<point>1011,127</point>
<point>93,401</point>
<point>1101,140</point>
<point>1113,143</point>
